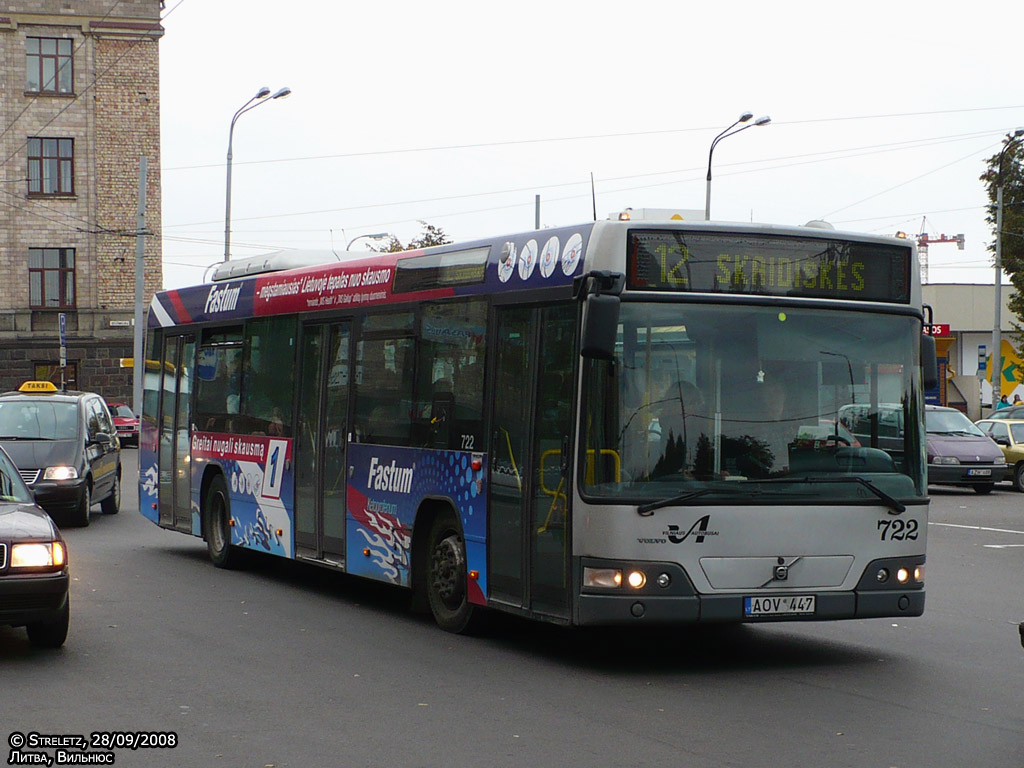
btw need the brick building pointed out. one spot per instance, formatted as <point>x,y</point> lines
<point>79,107</point>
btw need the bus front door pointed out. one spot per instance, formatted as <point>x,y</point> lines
<point>321,438</point>
<point>528,521</point>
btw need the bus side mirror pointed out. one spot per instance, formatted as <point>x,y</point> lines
<point>929,362</point>
<point>600,326</point>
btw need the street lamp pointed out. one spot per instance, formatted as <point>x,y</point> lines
<point>375,236</point>
<point>725,134</point>
<point>259,98</point>
<point>997,342</point>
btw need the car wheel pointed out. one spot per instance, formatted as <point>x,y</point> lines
<point>217,525</point>
<point>446,577</point>
<point>1018,477</point>
<point>80,518</point>
<point>112,504</point>
<point>51,634</point>
<point>984,488</point>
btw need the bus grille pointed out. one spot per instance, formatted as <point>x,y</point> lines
<point>29,475</point>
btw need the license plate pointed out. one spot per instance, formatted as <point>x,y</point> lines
<point>979,473</point>
<point>788,605</point>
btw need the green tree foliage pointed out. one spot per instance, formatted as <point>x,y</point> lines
<point>1012,252</point>
<point>431,236</point>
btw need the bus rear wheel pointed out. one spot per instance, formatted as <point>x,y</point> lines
<point>217,525</point>
<point>446,576</point>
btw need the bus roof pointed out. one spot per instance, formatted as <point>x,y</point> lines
<point>311,281</point>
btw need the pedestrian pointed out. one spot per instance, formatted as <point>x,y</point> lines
<point>1003,403</point>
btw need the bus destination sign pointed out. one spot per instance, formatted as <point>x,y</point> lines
<point>767,265</point>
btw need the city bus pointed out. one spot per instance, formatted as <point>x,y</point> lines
<point>616,423</point>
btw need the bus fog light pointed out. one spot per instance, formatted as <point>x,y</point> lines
<point>882,576</point>
<point>604,578</point>
<point>902,575</point>
<point>637,579</point>
<point>919,574</point>
<point>663,580</point>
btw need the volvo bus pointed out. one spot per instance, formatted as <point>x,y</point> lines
<point>621,422</point>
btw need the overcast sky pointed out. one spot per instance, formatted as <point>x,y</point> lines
<point>459,113</point>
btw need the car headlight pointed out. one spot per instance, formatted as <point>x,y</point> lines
<point>946,460</point>
<point>38,555</point>
<point>60,473</point>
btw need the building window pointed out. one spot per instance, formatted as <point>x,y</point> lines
<point>68,377</point>
<point>51,278</point>
<point>48,65</point>
<point>51,166</point>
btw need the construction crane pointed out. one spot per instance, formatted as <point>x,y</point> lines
<point>924,240</point>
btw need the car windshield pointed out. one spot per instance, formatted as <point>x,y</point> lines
<point>38,420</point>
<point>750,401</point>
<point>121,412</point>
<point>950,423</point>
<point>12,487</point>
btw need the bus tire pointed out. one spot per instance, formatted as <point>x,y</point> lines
<point>217,525</point>
<point>446,576</point>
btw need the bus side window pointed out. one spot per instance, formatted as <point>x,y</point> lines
<point>449,397</point>
<point>268,377</point>
<point>384,390</point>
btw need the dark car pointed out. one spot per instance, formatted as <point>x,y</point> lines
<point>959,453</point>
<point>65,447</point>
<point>126,423</point>
<point>33,564</point>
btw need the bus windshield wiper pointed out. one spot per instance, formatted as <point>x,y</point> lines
<point>896,506</point>
<point>646,509</point>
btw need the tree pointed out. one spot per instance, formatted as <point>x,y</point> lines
<point>1012,250</point>
<point>431,236</point>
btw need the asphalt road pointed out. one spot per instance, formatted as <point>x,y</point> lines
<point>287,665</point>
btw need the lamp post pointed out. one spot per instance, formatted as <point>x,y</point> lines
<point>375,236</point>
<point>997,342</point>
<point>259,98</point>
<point>725,134</point>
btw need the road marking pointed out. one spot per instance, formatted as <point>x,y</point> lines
<point>1001,546</point>
<point>978,528</point>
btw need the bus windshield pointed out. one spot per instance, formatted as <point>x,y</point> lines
<point>704,401</point>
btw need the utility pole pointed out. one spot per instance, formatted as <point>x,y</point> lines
<point>138,363</point>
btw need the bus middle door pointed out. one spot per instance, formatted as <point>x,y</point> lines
<point>320,442</point>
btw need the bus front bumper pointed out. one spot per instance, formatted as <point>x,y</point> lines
<point>829,606</point>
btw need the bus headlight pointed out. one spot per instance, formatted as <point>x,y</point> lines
<point>602,578</point>
<point>919,574</point>
<point>902,575</point>
<point>636,579</point>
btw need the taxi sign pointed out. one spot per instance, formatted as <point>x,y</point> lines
<point>38,386</point>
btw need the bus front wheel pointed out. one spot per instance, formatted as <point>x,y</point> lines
<point>446,576</point>
<point>217,525</point>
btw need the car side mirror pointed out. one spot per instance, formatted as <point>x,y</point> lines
<point>1002,440</point>
<point>102,438</point>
